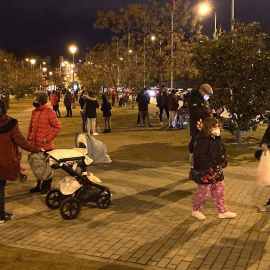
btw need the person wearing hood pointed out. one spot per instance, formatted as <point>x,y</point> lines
<point>91,112</point>
<point>11,138</point>
<point>209,160</point>
<point>44,127</point>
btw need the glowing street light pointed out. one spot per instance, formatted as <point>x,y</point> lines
<point>32,61</point>
<point>153,38</point>
<point>73,50</point>
<point>204,9</point>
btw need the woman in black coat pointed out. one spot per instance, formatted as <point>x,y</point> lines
<point>106,109</point>
<point>91,112</point>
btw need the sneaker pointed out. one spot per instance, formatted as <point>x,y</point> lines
<point>161,123</point>
<point>227,214</point>
<point>142,125</point>
<point>198,215</point>
<point>95,133</point>
<point>7,217</point>
<point>150,125</point>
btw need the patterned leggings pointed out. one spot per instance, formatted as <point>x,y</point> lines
<point>217,191</point>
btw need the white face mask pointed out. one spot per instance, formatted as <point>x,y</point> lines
<point>216,132</point>
<point>206,97</point>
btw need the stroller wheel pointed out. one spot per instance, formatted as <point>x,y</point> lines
<point>23,177</point>
<point>70,208</point>
<point>103,201</point>
<point>54,198</point>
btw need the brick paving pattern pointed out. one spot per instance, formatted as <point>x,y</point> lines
<point>149,223</point>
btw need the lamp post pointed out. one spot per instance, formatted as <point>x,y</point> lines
<point>232,16</point>
<point>73,49</point>
<point>33,61</point>
<point>204,9</point>
<point>44,76</point>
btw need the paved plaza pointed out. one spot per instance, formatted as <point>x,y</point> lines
<point>149,224</point>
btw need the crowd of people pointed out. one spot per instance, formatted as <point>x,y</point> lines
<point>207,152</point>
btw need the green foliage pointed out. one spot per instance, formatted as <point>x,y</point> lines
<point>237,66</point>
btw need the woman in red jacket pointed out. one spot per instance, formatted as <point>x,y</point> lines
<point>55,102</point>
<point>44,127</point>
<point>10,138</point>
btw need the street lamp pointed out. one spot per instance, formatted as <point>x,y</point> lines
<point>232,16</point>
<point>33,61</point>
<point>203,10</point>
<point>73,50</point>
<point>44,76</point>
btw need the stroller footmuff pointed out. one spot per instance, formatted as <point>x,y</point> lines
<point>77,188</point>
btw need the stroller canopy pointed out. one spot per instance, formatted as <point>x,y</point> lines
<point>96,149</point>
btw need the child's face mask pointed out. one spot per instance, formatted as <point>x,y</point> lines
<point>216,132</point>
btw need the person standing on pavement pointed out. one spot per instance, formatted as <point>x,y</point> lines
<point>91,112</point>
<point>163,103</point>
<point>10,138</point>
<point>44,127</point>
<point>67,103</point>
<point>143,100</point>
<point>173,107</point>
<point>55,102</point>
<point>106,109</point>
<point>209,160</point>
<point>199,109</point>
<point>265,144</point>
<point>82,104</point>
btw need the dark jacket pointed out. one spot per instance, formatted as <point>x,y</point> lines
<point>67,99</point>
<point>173,102</point>
<point>198,108</point>
<point>11,138</point>
<point>162,100</point>
<point>106,109</point>
<point>91,107</point>
<point>266,136</point>
<point>143,100</point>
<point>209,159</point>
<point>81,101</point>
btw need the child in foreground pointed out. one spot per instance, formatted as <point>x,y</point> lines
<point>209,160</point>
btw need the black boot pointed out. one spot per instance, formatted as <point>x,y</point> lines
<point>105,131</point>
<point>109,130</point>
<point>36,188</point>
<point>46,186</point>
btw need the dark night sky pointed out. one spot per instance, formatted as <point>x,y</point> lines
<point>39,27</point>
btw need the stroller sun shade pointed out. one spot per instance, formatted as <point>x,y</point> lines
<point>96,149</point>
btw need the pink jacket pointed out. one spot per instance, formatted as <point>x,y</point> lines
<point>43,125</point>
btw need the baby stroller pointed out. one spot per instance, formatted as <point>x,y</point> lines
<point>78,188</point>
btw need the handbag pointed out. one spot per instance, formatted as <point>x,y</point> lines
<point>264,169</point>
